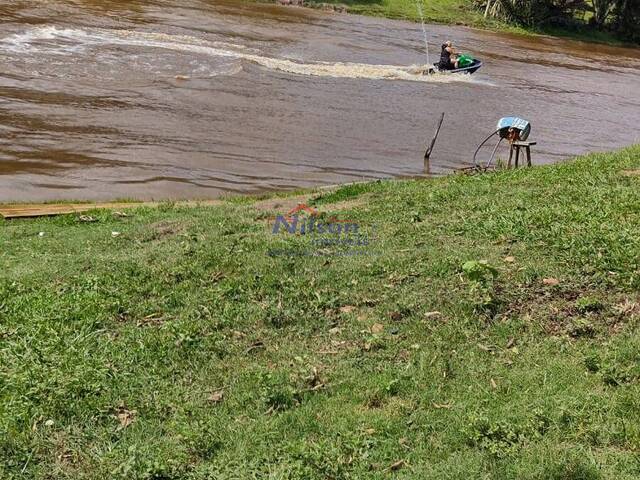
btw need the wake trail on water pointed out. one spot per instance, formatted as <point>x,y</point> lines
<point>70,41</point>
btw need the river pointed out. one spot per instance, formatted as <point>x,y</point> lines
<point>193,99</point>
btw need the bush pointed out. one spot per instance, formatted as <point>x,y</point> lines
<point>536,13</point>
<point>627,19</point>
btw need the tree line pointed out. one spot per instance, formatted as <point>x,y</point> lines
<point>621,17</point>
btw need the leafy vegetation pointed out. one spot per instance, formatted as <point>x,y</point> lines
<point>617,16</point>
<point>490,331</point>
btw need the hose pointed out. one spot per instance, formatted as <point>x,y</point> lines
<point>493,154</point>
<point>482,144</point>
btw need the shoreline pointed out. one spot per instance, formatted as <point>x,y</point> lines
<point>70,206</point>
<point>42,209</point>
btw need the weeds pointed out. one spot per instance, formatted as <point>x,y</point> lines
<point>482,277</point>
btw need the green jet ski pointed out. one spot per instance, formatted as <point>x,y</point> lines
<point>466,64</point>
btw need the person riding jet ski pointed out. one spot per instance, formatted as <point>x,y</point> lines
<point>448,57</point>
<point>451,61</point>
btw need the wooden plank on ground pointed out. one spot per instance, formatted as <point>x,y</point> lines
<point>49,209</point>
<point>27,210</point>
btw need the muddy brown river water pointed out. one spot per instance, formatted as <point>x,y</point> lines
<point>192,99</point>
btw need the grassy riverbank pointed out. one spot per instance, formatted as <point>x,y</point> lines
<point>491,331</point>
<point>442,11</point>
<point>459,12</point>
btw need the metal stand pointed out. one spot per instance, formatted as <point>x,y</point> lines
<point>515,148</point>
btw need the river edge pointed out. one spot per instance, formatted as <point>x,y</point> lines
<point>471,19</point>
<point>484,305</point>
<point>262,200</point>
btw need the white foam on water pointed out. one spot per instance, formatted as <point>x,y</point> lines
<point>69,41</point>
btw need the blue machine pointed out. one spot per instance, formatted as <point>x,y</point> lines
<point>511,128</point>
<point>519,128</point>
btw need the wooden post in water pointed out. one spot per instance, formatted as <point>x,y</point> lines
<point>427,154</point>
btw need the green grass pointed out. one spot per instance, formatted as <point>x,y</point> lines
<point>462,12</point>
<point>180,349</point>
<point>442,11</point>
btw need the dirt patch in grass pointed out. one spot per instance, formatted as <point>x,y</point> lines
<point>281,205</point>
<point>348,204</point>
<point>574,312</point>
<point>285,205</point>
<point>165,228</point>
<point>162,231</point>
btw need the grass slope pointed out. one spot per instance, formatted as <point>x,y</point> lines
<point>441,11</point>
<point>180,349</point>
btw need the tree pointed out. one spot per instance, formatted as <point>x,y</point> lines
<point>535,13</point>
<point>627,19</point>
<point>602,11</point>
<point>618,16</point>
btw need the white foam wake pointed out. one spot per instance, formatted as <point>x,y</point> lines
<point>65,41</point>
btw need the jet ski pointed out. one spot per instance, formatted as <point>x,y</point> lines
<point>467,63</point>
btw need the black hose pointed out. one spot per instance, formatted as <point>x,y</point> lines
<point>481,145</point>
<point>493,154</point>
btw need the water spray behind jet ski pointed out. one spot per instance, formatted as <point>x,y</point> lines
<point>424,30</point>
